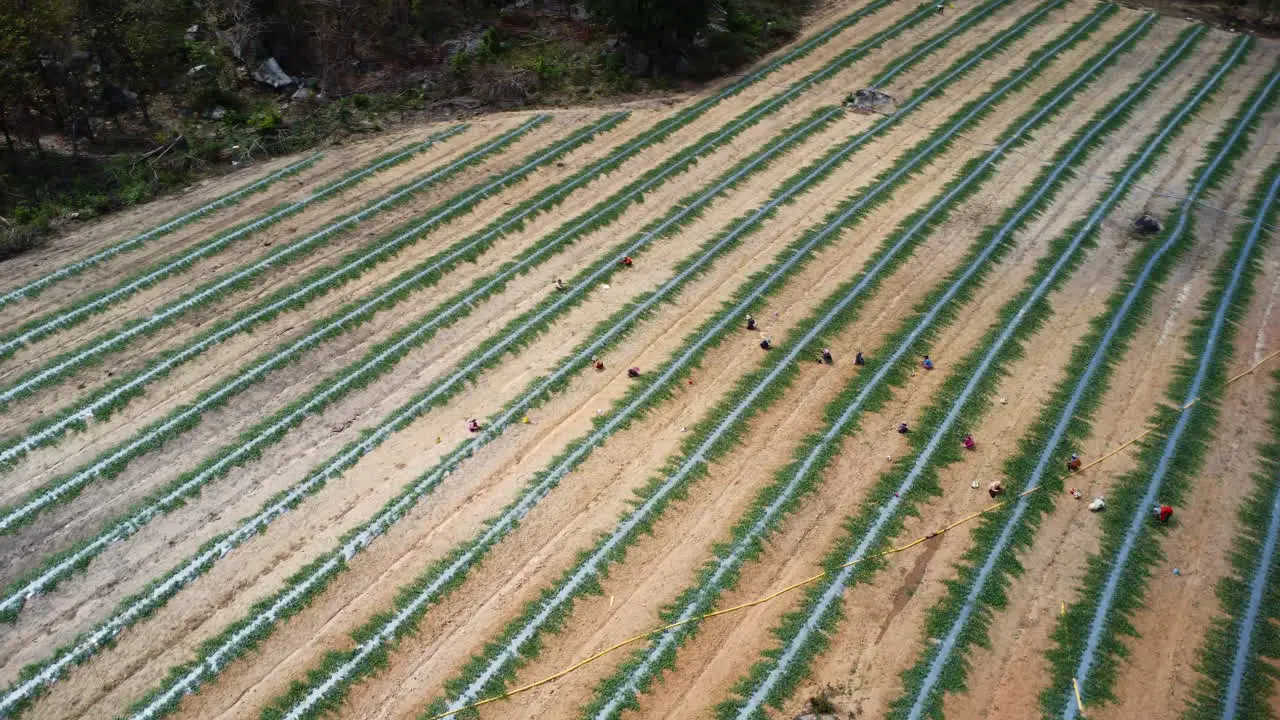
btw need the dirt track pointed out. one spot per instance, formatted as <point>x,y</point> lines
<point>882,633</point>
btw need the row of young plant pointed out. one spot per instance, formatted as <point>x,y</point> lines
<point>111,462</point>
<point>803,475</point>
<point>131,612</point>
<point>1235,684</point>
<point>1116,575</point>
<point>804,632</point>
<point>82,308</point>
<point>93,351</point>
<point>305,585</point>
<point>961,619</point>
<point>601,214</point>
<point>254,441</point>
<point>35,287</point>
<point>520,640</point>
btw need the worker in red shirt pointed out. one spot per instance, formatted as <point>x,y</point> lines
<point>1162,513</point>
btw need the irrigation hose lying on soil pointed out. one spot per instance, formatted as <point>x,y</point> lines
<point>809,581</point>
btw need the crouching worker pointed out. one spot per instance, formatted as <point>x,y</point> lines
<point>473,425</point>
<point>751,323</point>
<point>903,429</point>
<point>633,372</point>
<point>1074,463</point>
<point>859,360</point>
<point>969,444</point>
<point>1162,513</point>
<point>826,356</point>
<point>766,344</point>
<point>627,261</point>
<point>995,489</point>
<point>927,364</point>
<point>597,363</point>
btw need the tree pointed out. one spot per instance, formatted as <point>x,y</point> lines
<point>664,29</point>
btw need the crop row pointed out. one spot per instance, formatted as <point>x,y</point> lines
<point>804,632</point>
<point>311,581</point>
<point>1234,685</point>
<point>1062,422</point>
<point>61,319</point>
<point>114,461</point>
<point>111,341</point>
<point>126,617</point>
<point>35,287</point>
<point>489,671</point>
<point>314,579</point>
<point>618,692</point>
<point>1116,575</point>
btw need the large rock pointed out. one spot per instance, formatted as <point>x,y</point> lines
<point>268,72</point>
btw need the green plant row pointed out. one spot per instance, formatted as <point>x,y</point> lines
<point>489,670</point>
<point>113,461</point>
<point>619,691</point>
<point>112,397</point>
<point>252,629</point>
<point>1116,576</point>
<point>94,303</point>
<point>93,351</point>
<point>35,287</point>
<point>1234,685</point>
<point>941,668</point>
<point>804,632</point>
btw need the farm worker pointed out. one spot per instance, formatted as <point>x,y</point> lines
<point>633,372</point>
<point>1075,493</point>
<point>751,323</point>
<point>969,444</point>
<point>473,426</point>
<point>1098,504</point>
<point>559,284</point>
<point>995,489</point>
<point>597,363</point>
<point>928,364</point>
<point>765,343</point>
<point>940,8</point>
<point>627,261</point>
<point>1162,513</point>
<point>1074,463</point>
<point>826,356</point>
<point>902,428</point>
<point>858,359</point>
<point>525,419</point>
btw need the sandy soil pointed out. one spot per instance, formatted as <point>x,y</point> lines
<point>882,633</point>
